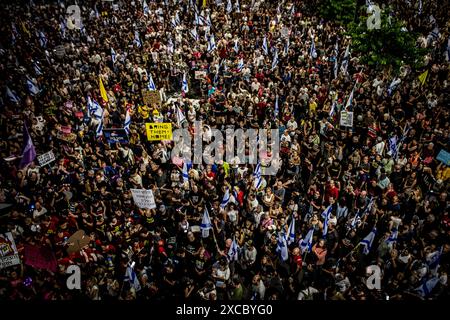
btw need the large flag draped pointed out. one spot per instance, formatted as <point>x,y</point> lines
<point>206,224</point>
<point>368,240</point>
<point>102,90</point>
<point>28,153</point>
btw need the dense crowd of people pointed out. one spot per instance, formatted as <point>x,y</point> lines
<point>381,176</point>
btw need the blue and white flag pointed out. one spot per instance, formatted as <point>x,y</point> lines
<point>275,60</point>
<point>151,85</point>
<point>12,96</point>
<point>225,199</point>
<point>194,33</point>
<point>28,151</point>
<point>32,87</point>
<point>264,46</point>
<point>237,6</point>
<point>127,124</point>
<point>306,242</point>
<point>113,56</point>
<point>206,224</point>
<point>395,82</point>
<point>427,287</point>
<point>277,109</point>
<point>42,39</point>
<point>350,99</point>
<point>211,44</point>
<point>137,39</point>
<point>131,277</point>
<point>185,172</point>
<point>282,248</point>
<point>355,221</point>
<point>233,252</point>
<point>257,175</point>
<point>393,146</point>
<point>291,231</point>
<point>62,27</point>
<point>312,51</point>
<point>145,8</point>
<point>236,46</point>
<point>420,7</point>
<point>433,259</point>
<point>184,84</point>
<point>336,55</point>
<point>286,46</point>
<point>94,108</point>
<point>292,10</point>
<point>240,65</point>
<point>37,68</point>
<point>393,237</point>
<point>368,240</point>
<point>326,216</point>
<point>333,107</point>
<point>99,130</point>
<point>170,46</point>
<point>229,6</point>
<point>345,60</point>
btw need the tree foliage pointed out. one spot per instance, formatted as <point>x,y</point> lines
<point>339,11</point>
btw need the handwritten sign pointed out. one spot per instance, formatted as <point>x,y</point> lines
<point>9,256</point>
<point>444,157</point>
<point>346,119</point>
<point>46,158</point>
<point>151,97</point>
<point>144,199</point>
<point>158,131</point>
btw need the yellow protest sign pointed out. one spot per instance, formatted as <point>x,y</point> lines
<point>158,131</point>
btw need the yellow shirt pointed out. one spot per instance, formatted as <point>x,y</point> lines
<point>443,174</point>
<point>144,111</point>
<point>313,106</point>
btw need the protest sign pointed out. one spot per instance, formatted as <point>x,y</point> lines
<point>346,119</point>
<point>444,157</point>
<point>9,255</point>
<point>151,97</point>
<point>144,199</point>
<point>46,158</point>
<point>113,135</point>
<point>158,131</point>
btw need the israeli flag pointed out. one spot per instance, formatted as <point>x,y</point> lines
<point>257,175</point>
<point>170,46</point>
<point>306,243</point>
<point>206,224</point>
<point>238,7</point>
<point>277,109</point>
<point>145,8</point>
<point>393,237</point>
<point>368,240</point>
<point>333,107</point>
<point>130,276</point>
<point>236,46</point>
<point>211,43</point>
<point>336,64</point>
<point>208,20</point>
<point>37,69</point>
<point>127,122</point>
<point>291,231</point>
<point>435,33</point>
<point>229,6</point>
<point>275,60</point>
<point>137,40</point>
<point>355,221</point>
<point>282,246</point>
<point>94,108</point>
<point>393,146</point>
<point>292,10</point>
<point>286,47</point>
<point>313,51</point>
<point>99,130</point>
<point>420,7</point>
<point>233,252</point>
<point>32,87</point>
<point>395,82</point>
<point>350,99</point>
<point>194,33</point>
<point>62,27</point>
<point>42,39</point>
<point>185,172</point>
<point>345,60</point>
<point>326,216</point>
<point>264,46</point>
<point>13,97</point>
<point>240,65</point>
<point>427,287</point>
<point>225,199</point>
<point>433,259</point>
<point>151,85</point>
<point>113,56</point>
<point>184,85</point>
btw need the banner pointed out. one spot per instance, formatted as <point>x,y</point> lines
<point>158,131</point>
<point>151,97</point>
<point>444,157</point>
<point>9,256</point>
<point>346,119</point>
<point>46,158</point>
<point>200,75</point>
<point>144,199</point>
<point>113,135</point>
